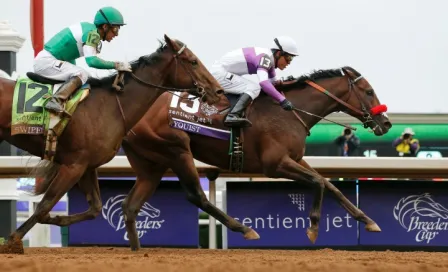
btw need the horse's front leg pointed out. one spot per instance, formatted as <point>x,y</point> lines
<point>290,169</point>
<point>356,213</point>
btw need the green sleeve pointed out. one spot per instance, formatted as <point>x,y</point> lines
<point>92,38</point>
<point>95,62</point>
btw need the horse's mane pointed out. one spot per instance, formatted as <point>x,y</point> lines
<point>135,64</point>
<point>315,76</point>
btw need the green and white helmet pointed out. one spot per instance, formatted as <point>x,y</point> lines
<point>108,15</point>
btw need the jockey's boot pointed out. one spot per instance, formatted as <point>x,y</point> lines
<point>64,92</point>
<point>235,117</point>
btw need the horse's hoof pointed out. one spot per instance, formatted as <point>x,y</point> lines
<point>312,235</point>
<point>251,235</point>
<point>14,246</point>
<point>373,227</point>
<point>135,248</point>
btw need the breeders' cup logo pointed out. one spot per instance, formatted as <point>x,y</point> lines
<point>421,215</point>
<point>145,220</point>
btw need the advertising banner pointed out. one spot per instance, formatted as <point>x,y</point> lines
<point>166,219</point>
<point>279,212</point>
<point>409,213</point>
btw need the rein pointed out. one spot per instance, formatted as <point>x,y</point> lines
<point>367,115</point>
<point>118,85</point>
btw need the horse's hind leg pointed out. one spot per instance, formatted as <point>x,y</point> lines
<point>149,175</point>
<point>188,176</point>
<point>356,213</point>
<point>90,187</point>
<point>66,177</point>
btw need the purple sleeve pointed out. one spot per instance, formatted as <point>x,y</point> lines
<point>414,146</point>
<point>269,89</point>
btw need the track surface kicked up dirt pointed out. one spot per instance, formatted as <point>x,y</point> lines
<point>166,260</point>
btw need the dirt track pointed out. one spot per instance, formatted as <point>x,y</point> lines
<point>122,259</point>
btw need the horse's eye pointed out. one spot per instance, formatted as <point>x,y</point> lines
<point>369,92</point>
<point>194,62</point>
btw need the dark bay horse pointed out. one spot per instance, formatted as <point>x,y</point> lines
<point>274,145</point>
<point>97,127</point>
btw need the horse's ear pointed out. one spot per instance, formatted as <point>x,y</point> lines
<point>167,39</point>
<point>345,71</point>
<point>169,42</point>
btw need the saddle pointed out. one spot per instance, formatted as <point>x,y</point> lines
<point>191,115</point>
<point>29,115</point>
<point>41,79</point>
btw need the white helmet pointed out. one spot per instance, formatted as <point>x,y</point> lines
<point>285,44</point>
<point>408,130</point>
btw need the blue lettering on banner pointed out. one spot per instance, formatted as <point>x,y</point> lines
<point>409,213</point>
<point>279,212</point>
<point>164,220</point>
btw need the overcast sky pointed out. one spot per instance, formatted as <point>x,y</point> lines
<point>400,46</point>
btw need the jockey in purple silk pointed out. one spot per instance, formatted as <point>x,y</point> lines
<point>230,68</point>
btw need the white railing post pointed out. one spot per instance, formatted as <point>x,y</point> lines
<point>212,175</point>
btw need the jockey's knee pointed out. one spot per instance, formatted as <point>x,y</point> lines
<point>83,75</point>
<point>253,92</point>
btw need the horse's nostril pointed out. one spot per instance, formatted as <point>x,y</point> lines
<point>387,124</point>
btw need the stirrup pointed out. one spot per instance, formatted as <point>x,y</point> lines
<point>237,122</point>
<point>56,107</point>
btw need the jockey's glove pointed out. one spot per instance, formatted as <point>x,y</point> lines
<point>123,66</point>
<point>286,105</point>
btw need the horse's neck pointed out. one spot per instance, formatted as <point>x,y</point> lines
<point>313,101</point>
<point>137,97</point>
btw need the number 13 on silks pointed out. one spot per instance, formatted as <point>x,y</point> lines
<point>184,106</point>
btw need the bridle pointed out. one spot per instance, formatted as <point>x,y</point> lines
<point>364,113</point>
<point>197,91</point>
<point>119,85</point>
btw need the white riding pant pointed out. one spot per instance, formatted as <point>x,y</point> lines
<point>47,65</point>
<point>235,84</point>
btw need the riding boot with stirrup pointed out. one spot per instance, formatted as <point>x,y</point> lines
<point>235,117</point>
<point>64,92</point>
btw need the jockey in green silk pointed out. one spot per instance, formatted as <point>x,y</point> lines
<point>57,59</point>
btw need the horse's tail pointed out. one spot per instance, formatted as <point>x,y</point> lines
<point>44,173</point>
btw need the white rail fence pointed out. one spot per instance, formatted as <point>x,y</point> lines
<point>357,167</point>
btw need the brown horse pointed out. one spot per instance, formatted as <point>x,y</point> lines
<point>274,145</point>
<point>97,127</point>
